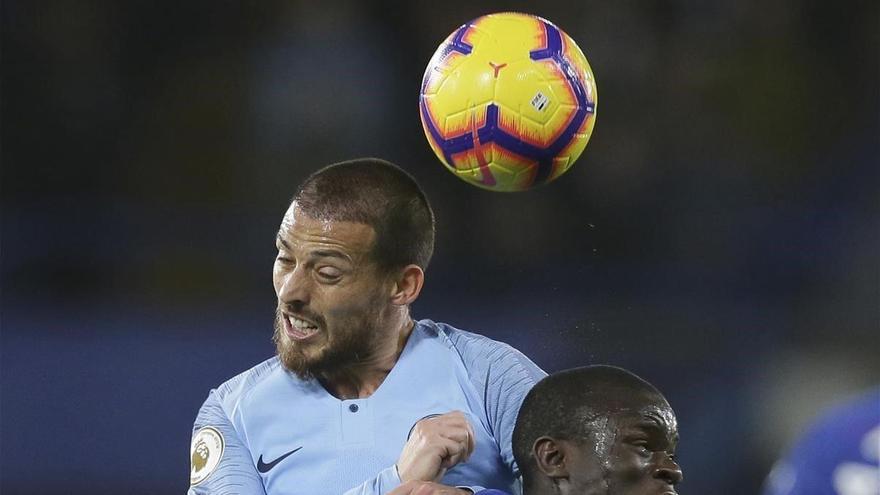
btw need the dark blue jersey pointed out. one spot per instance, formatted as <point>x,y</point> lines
<point>837,456</point>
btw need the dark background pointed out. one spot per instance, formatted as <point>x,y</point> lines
<point>719,236</point>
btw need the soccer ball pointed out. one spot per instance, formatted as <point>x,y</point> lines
<point>508,102</point>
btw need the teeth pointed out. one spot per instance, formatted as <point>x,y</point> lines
<point>301,324</point>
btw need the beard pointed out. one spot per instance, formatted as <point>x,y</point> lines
<point>345,345</point>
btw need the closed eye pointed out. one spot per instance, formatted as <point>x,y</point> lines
<point>329,272</point>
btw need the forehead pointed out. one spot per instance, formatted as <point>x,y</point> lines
<point>299,230</point>
<point>649,415</point>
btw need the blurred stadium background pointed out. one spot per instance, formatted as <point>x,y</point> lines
<point>719,236</point>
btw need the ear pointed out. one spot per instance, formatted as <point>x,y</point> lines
<point>407,285</point>
<point>550,456</point>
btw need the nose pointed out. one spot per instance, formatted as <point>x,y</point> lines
<point>669,471</point>
<point>293,288</point>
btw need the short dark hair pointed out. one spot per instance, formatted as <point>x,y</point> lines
<point>563,406</point>
<point>380,194</point>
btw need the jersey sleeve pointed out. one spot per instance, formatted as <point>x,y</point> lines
<point>387,480</point>
<point>507,383</point>
<point>503,376</point>
<point>221,462</point>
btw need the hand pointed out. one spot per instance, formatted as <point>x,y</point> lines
<point>427,488</point>
<point>435,445</point>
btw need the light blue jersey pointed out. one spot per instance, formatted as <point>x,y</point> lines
<point>267,431</point>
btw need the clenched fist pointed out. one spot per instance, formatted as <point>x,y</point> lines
<point>435,444</point>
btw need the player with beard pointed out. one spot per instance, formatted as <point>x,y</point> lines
<point>361,397</point>
<point>597,430</point>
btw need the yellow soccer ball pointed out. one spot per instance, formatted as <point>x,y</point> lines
<point>508,102</point>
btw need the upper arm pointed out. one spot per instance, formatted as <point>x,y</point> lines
<point>509,379</point>
<point>221,461</point>
<point>503,376</point>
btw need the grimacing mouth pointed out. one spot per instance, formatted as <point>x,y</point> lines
<point>298,327</point>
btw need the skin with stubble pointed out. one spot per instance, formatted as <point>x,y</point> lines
<point>339,317</point>
<point>344,321</point>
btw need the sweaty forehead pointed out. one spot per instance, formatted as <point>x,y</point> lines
<point>632,405</point>
<point>657,415</point>
<point>301,230</point>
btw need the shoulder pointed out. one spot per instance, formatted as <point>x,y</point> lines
<point>480,353</point>
<point>236,389</point>
<point>470,344</point>
<point>843,428</point>
<point>835,450</point>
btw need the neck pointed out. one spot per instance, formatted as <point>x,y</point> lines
<point>544,486</point>
<point>360,380</point>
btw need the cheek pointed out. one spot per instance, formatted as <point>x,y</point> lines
<point>277,278</point>
<point>588,475</point>
<point>354,300</point>
<point>628,467</point>
<point>343,307</point>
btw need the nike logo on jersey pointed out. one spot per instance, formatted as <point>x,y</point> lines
<point>265,467</point>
